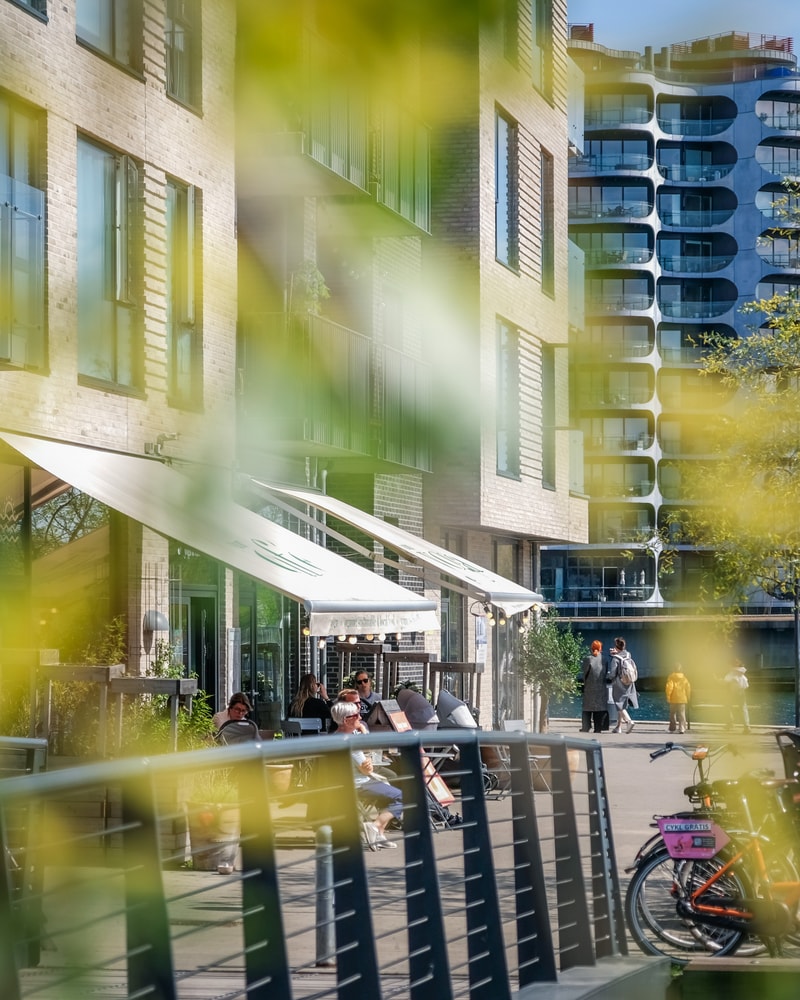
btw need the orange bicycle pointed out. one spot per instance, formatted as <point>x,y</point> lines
<point>712,881</point>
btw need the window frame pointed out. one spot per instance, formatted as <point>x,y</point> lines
<point>114,294</point>
<point>506,191</point>
<point>183,64</point>
<point>22,238</point>
<point>119,36</point>
<point>507,402</point>
<point>184,338</point>
<point>547,215</point>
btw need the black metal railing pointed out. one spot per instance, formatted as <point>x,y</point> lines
<point>241,870</point>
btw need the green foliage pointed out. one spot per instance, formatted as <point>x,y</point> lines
<point>549,654</point>
<point>748,492</point>
<point>308,289</point>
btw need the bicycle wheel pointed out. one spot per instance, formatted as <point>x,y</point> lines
<point>651,908</point>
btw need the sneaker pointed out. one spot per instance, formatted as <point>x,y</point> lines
<point>386,845</point>
<point>630,726</point>
<point>371,835</point>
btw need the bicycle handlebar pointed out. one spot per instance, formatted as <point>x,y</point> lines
<point>696,752</point>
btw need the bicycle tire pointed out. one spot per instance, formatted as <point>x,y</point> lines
<point>651,909</point>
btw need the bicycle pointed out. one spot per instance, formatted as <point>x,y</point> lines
<point>703,888</point>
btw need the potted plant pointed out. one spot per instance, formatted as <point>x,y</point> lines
<point>213,819</point>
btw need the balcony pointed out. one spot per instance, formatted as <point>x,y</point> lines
<point>625,302</point>
<point>789,259</point>
<point>695,174</point>
<point>606,398</point>
<point>612,117</point>
<point>315,387</point>
<point>691,219</point>
<point>599,489</point>
<point>696,310</point>
<point>621,255</point>
<point>694,126</point>
<point>687,355</point>
<point>787,121</point>
<point>611,161</point>
<point>695,264</point>
<point>619,443</point>
<point>631,210</point>
<point>695,116</point>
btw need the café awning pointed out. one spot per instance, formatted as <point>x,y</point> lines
<point>482,584</point>
<point>194,506</point>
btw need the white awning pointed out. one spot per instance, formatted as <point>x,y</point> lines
<point>481,583</point>
<point>197,510</point>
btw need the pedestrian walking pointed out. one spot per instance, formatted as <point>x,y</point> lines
<point>622,675</point>
<point>736,685</point>
<point>678,691</point>
<point>595,690</point>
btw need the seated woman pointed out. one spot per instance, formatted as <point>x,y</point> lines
<point>239,708</point>
<point>385,797</point>
<point>311,701</point>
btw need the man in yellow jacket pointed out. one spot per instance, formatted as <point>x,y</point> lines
<point>679,691</point>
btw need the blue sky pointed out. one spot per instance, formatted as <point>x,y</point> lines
<point>632,24</point>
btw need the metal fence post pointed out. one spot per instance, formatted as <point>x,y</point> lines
<point>326,946</point>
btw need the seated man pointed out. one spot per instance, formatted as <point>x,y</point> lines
<point>369,698</point>
<point>385,797</point>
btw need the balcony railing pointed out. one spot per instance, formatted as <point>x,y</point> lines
<point>697,174</point>
<point>610,161</point>
<point>782,167</point>
<point>788,259</point>
<point>610,117</point>
<point>402,152</point>
<point>632,397</point>
<point>315,381</point>
<point>632,209</point>
<point>693,219</point>
<point>615,303</point>
<point>632,255</point>
<point>682,355</point>
<point>614,348</point>
<point>694,264</point>
<point>696,310</point>
<point>615,442</point>
<point>790,120</point>
<point>609,491</point>
<point>693,126</point>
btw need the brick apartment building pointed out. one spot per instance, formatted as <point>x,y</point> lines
<point>247,244</point>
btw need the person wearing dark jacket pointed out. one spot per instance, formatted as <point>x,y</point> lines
<point>595,690</point>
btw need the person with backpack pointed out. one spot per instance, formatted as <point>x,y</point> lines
<point>622,675</point>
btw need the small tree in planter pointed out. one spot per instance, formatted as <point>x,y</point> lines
<point>549,654</point>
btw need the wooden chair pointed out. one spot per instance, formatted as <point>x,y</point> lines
<point>540,763</point>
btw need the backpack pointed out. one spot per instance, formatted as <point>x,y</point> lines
<point>628,672</point>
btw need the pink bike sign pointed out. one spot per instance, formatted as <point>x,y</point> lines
<point>687,837</point>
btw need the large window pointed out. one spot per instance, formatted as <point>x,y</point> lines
<point>22,207</point>
<point>548,417</point>
<point>107,223</point>
<point>182,42</point>
<point>507,400</point>
<point>183,337</point>
<point>542,45</point>
<point>113,27</point>
<point>506,192</point>
<point>40,6</point>
<point>546,221</point>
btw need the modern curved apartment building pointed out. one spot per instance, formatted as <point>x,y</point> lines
<point>672,203</point>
